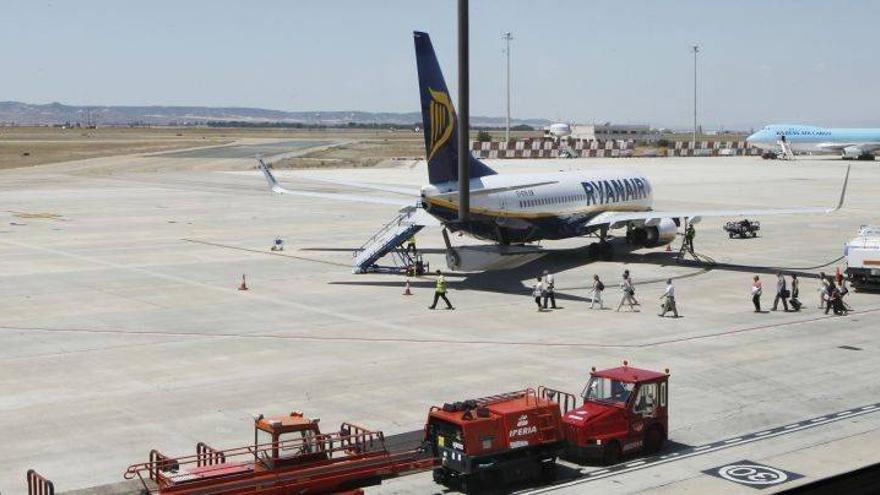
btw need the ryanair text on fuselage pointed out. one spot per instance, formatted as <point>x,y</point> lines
<point>601,192</point>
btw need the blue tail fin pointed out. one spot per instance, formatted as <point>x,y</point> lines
<point>439,121</point>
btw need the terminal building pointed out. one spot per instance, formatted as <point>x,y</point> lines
<point>614,132</point>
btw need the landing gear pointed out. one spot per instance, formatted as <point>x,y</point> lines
<point>602,249</point>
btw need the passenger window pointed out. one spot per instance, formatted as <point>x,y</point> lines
<point>663,394</point>
<point>646,400</point>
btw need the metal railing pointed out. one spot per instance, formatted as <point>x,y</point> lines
<point>351,441</point>
<point>38,485</point>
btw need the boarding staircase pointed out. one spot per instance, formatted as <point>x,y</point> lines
<point>389,239</point>
<point>787,153</point>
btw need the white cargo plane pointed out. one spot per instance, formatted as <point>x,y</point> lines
<point>514,209</point>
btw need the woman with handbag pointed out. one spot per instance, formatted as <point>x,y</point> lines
<point>757,288</point>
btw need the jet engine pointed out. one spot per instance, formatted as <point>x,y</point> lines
<point>855,153</point>
<point>653,235</point>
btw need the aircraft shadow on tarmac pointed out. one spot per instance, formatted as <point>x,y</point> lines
<point>518,280</point>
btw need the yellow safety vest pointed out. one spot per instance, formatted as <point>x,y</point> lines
<point>441,285</point>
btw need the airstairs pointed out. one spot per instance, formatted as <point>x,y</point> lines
<point>389,239</point>
<point>787,153</point>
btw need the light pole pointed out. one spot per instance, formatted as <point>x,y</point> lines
<point>464,154</point>
<point>507,37</point>
<point>696,49</point>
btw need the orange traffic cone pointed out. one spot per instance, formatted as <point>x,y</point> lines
<point>243,285</point>
<point>406,291</point>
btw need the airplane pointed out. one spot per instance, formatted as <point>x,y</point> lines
<point>859,144</point>
<point>513,210</point>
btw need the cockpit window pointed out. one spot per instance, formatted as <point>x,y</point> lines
<point>600,389</point>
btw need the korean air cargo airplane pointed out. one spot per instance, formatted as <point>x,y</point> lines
<point>859,144</point>
<point>514,209</point>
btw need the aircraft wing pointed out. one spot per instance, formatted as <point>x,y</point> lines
<point>277,188</point>
<point>616,220</point>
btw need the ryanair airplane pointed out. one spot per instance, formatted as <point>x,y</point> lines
<point>514,209</point>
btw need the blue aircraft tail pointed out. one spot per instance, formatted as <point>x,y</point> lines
<point>440,125</point>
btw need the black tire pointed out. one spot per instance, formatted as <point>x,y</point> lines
<point>439,476</point>
<point>548,470</point>
<point>653,440</point>
<point>730,234</point>
<point>611,454</point>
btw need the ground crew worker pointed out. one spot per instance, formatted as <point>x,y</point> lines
<point>440,292</point>
<point>411,245</point>
<point>669,303</point>
<point>689,235</point>
<point>548,285</point>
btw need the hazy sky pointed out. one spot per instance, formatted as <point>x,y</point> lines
<point>761,61</point>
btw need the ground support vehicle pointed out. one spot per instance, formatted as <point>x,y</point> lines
<point>496,440</point>
<point>290,455</point>
<point>625,410</point>
<point>743,228</point>
<point>863,258</point>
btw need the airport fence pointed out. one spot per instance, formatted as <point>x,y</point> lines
<point>583,148</point>
<point>551,148</point>
<point>711,148</point>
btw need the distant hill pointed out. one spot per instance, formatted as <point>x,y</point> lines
<point>57,113</point>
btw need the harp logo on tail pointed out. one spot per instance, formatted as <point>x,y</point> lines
<point>442,120</point>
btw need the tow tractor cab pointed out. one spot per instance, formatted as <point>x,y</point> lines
<point>499,439</point>
<point>625,410</point>
<point>291,439</point>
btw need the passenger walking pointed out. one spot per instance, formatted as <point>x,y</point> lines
<point>757,289</point>
<point>549,284</point>
<point>781,292</point>
<point>844,291</point>
<point>669,302</point>
<point>628,298</point>
<point>596,295</point>
<point>538,292</point>
<point>795,292</point>
<point>440,292</point>
<point>830,294</point>
<point>822,288</point>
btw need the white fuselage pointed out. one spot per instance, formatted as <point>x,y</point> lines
<point>528,207</point>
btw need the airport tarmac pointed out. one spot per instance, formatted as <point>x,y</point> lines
<point>122,328</point>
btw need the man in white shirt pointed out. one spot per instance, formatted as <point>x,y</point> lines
<point>669,303</point>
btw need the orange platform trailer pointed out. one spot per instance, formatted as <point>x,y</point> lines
<point>290,455</point>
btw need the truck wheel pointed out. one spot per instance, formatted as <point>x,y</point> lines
<point>547,470</point>
<point>730,234</point>
<point>470,484</point>
<point>653,440</point>
<point>611,453</point>
<point>440,477</point>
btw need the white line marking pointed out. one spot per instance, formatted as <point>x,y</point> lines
<point>634,464</point>
<point>737,439</point>
<point>594,473</point>
<point>704,447</point>
<point>795,425</point>
<point>823,418</point>
<point>868,408</point>
<point>844,413</point>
